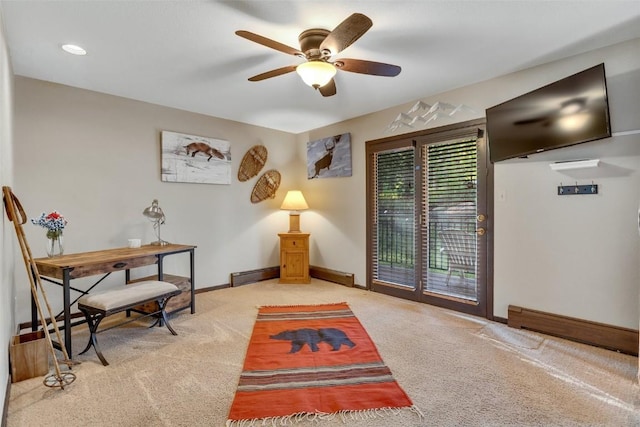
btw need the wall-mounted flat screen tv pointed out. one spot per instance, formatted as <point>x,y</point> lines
<point>567,112</point>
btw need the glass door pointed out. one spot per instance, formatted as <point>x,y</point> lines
<point>453,224</point>
<point>428,218</point>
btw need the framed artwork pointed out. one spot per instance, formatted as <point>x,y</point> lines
<point>329,157</point>
<point>198,159</point>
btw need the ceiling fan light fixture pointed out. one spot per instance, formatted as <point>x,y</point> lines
<point>318,46</point>
<point>316,73</point>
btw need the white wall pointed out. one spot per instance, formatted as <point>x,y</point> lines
<point>575,256</point>
<point>578,254</point>
<point>96,159</point>
<point>8,236</point>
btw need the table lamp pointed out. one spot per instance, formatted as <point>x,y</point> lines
<point>294,202</point>
<point>155,215</point>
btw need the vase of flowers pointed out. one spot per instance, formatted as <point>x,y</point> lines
<point>54,223</point>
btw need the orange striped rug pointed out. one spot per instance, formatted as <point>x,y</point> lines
<point>313,362</point>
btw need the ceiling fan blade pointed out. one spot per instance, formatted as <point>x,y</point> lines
<point>329,89</point>
<point>367,67</point>
<point>347,32</point>
<point>269,43</point>
<point>273,73</point>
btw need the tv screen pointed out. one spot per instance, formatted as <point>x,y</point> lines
<point>567,112</point>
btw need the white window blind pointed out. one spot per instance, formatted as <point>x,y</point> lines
<point>394,242</point>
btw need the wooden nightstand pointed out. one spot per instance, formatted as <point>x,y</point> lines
<point>294,258</point>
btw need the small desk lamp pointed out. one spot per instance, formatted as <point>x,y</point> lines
<point>294,202</point>
<point>155,214</point>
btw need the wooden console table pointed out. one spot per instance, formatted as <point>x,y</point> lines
<point>73,266</point>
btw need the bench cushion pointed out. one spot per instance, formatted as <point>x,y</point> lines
<point>127,295</point>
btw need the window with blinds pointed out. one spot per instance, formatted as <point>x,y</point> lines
<point>393,245</point>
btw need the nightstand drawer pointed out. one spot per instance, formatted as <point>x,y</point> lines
<point>294,242</point>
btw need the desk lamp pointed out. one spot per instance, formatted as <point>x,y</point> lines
<point>155,215</point>
<point>294,202</point>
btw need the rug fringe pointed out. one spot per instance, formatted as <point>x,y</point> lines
<point>301,305</point>
<point>345,416</point>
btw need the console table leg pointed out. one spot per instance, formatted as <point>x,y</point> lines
<point>67,312</point>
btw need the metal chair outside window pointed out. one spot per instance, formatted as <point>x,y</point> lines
<point>459,246</point>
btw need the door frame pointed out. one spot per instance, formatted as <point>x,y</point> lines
<point>484,200</point>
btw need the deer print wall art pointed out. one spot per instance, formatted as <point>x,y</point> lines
<point>329,157</point>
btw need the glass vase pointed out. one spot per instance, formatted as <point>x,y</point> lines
<point>55,243</point>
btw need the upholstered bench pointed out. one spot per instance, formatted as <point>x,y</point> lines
<point>97,306</point>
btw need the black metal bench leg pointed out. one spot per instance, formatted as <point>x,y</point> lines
<point>93,323</point>
<point>163,313</point>
<point>89,319</point>
<point>161,316</point>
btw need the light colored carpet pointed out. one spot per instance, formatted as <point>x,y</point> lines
<point>458,369</point>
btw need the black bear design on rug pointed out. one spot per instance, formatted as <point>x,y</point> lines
<point>299,337</point>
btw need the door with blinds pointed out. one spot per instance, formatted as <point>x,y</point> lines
<point>428,220</point>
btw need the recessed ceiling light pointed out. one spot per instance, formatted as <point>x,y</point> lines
<point>73,49</point>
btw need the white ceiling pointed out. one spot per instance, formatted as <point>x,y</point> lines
<point>184,54</point>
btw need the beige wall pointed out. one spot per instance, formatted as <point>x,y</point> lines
<point>96,159</point>
<point>8,237</point>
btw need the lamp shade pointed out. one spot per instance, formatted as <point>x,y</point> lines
<point>316,73</point>
<point>294,201</point>
<point>154,211</point>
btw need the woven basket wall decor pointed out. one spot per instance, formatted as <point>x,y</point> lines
<point>252,162</point>
<point>266,186</point>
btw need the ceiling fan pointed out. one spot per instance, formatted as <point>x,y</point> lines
<point>317,46</point>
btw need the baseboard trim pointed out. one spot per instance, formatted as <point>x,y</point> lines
<point>211,288</point>
<point>252,276</point>
<point>500,319</point>
<point>602,335</point>
<point>7,395</point>
<point>346,279</point>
